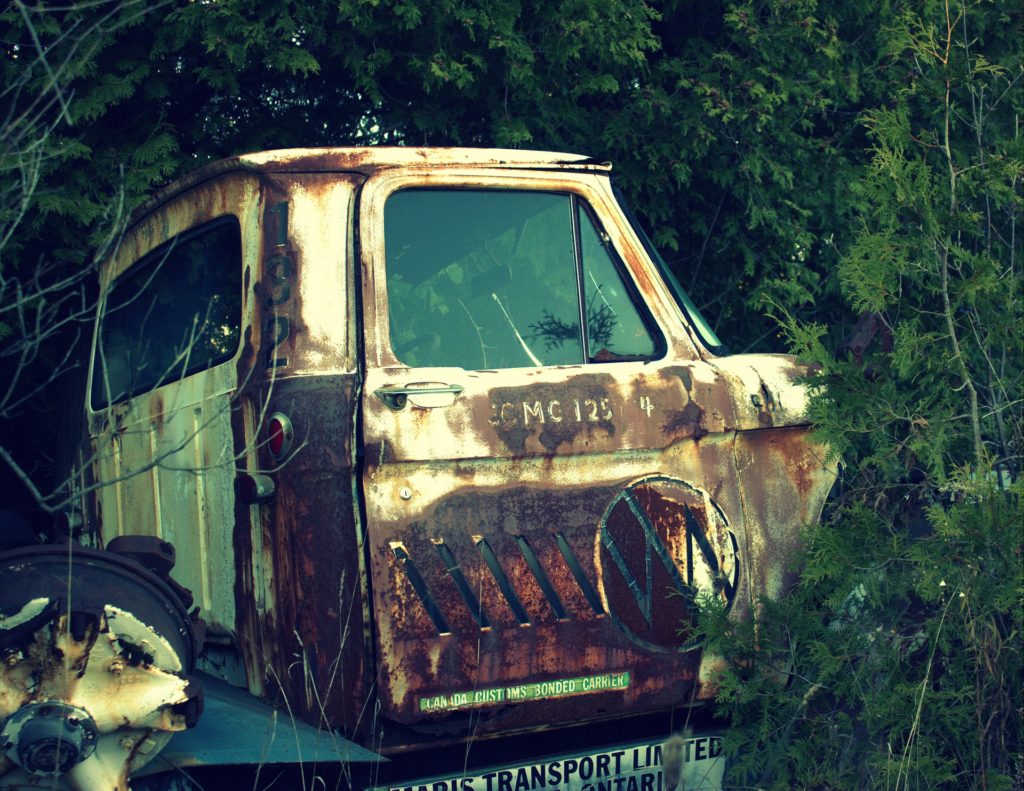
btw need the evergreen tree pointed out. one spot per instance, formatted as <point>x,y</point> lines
<point>902,643</point>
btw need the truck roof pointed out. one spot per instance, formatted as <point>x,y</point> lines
<point>370,159</point>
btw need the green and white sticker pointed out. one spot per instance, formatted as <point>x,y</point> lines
<point>535,690</point>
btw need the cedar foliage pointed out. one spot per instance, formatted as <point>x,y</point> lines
<point>901,646</point>
<point>730,124</point>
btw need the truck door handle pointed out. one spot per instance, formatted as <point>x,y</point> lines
<point>396,397</point>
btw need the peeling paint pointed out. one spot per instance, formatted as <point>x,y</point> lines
<point>417,548</point>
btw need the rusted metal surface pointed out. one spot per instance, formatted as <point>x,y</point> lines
<point>93,680</point>
<point>167,456</point>
<point>531,528</point>
<point>300,601</point>
<point>621,478</point>
<point>251,565</point>
<point>311,645</point>
<point>366,161</point>
<point>784,479</point>
<point>541,498</point>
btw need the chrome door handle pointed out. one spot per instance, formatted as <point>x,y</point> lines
<point>397,397</point>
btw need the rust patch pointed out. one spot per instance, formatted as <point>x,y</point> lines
<point>685,422</point>
<point>246,619</point>
<point>376,454</point>
<point>707,406</point>
<point>514,438</point>
<point>682,373</point>
<point>247,357</point>
<point>312,553</point>
<point>156,412</point>
<point>362,160</point>
<point>660,548</point>
<point>798,463</point>
<point>764,402</point>
<point>417,660</point>
<point>558,415</point>
<point>784,481</point>
<point>686,378</point>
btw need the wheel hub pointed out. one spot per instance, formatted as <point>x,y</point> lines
<point>49,738</point>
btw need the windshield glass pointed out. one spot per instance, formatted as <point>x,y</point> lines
<point>707,334</point>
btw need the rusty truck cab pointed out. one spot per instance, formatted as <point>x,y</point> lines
<point>442,454</point>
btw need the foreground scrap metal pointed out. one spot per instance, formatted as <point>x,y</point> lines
<point>95,657</point>
<point>447,456</point>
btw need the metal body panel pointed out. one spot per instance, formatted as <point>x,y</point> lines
<point>784,481</point>
<point>515,560</point>
<point>293,635</point>
<point>165,459</point>
<point>171,456</point>
<point>307,642</point>
<point>419,663</point>
<point>502,556</point>
<point>367,161</point>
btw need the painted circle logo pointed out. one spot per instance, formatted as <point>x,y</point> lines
<point>662,544</point>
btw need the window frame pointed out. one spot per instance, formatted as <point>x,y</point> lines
<point>162,251</point>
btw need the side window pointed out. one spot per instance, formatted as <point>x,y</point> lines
<point>615,328</point>
<point>176,311</point>
<point>486,279</point>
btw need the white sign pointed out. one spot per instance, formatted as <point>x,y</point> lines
<point>630,768</point>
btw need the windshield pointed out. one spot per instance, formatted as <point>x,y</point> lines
<point>690,310</point>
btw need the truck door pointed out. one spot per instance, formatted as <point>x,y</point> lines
<point>548,478</point>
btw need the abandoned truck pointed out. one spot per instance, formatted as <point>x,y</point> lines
<point>394,450</point>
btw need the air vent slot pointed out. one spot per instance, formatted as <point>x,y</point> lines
<point>542,578</point>
<point>503,581</point>
<point>418,585</point>
<point>475,608</point>
<point>577,571</point>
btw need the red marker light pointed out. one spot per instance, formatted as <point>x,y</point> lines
<point>279,435</point>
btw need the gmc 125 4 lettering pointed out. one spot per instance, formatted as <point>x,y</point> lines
<point>397,454</point>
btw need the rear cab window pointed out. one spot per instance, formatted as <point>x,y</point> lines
<point>175,312</point>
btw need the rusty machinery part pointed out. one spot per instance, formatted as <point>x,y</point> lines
<point>49,738</point>
<point>95,652</point>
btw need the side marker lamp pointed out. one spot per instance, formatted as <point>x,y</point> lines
<point>280,435</point>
